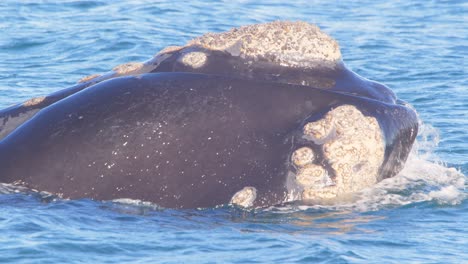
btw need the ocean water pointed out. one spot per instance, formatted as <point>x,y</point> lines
<point>418,48</point>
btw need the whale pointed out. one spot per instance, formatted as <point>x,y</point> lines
<point>257,116</point>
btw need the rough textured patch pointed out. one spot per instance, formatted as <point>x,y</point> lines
<point>292,44</point>
<point>320,82</point>
<point>128,67</point>
<point>193,59</point>
<point>89,78</point>
<point>169,49</point>
<point>328,192</point>
<point>320,130</point>
<point>312,175</point>
<point>244,197</point>
<point>34,101</point>
<point>354,148</point>
<point>302,156</point>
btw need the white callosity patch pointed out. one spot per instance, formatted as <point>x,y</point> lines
<point>169,49</point>
<point>291,44</point>
<point>89,78</point>
<point>34,101</point>
<point>244,197</point>
<point>312,175</point>
<point>303,156</point>
<point>129,68</point>
<point>353,146</point>
<point>195,59</point>
<point>309,176</point>
<point>320,131</point>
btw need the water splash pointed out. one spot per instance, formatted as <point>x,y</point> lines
<point>419,181</point>
<point>427,176</point>
<point>6,188</point>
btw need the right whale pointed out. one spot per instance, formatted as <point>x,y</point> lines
<point>256,116</point>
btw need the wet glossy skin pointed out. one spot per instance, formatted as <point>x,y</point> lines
<point>198,124</point>
<point>221,63</point>
<point>181,140</point>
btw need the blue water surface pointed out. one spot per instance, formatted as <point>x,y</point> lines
<point>418,48</point>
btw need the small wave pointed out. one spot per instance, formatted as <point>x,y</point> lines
<point>6,188</point>
<point>419,181</point>
<point>135,202</point>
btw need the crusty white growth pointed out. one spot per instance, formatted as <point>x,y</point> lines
<point>292,44</point>
<point>34,101</point>
<point>195,59</point>
<point>244,197</point>
<point>127,68</point>
<point>312,175</point>
<point>169,49</point>
<point>328,192</point>
<point>131,68</point>
<point>355,151</point>
<point>320,130</point>
<point>89,78</point>
<point>302,156</point>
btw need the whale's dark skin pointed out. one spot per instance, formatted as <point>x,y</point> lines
<point>196,124</point>
<point>182,140</point>
<point>222,63</point>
